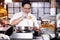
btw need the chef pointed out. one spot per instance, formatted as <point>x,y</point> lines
<point>24,18</point>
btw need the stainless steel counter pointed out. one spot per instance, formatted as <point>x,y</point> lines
<point>22,35</point>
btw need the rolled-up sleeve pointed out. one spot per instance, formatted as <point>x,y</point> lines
<point>15,16</point>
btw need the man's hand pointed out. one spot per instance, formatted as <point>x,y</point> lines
<point>25,15</point>
<point>35,28</point>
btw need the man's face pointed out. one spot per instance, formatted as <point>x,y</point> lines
<point>26,8</point>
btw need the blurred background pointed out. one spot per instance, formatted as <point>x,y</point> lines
<point>44,10</point>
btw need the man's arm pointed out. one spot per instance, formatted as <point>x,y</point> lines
<point>16,21</point>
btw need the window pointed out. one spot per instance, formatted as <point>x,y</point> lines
<point>38,8</point>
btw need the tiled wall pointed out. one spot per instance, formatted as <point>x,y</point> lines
<point>39,9</point>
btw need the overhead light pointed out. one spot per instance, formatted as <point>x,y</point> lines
<point>8,1</point>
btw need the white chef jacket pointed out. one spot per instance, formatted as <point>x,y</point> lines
<point>25,22</point>
<point>58,21</point>
<point>57,16</point>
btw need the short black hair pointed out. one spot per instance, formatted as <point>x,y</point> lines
<point>25,2</point>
